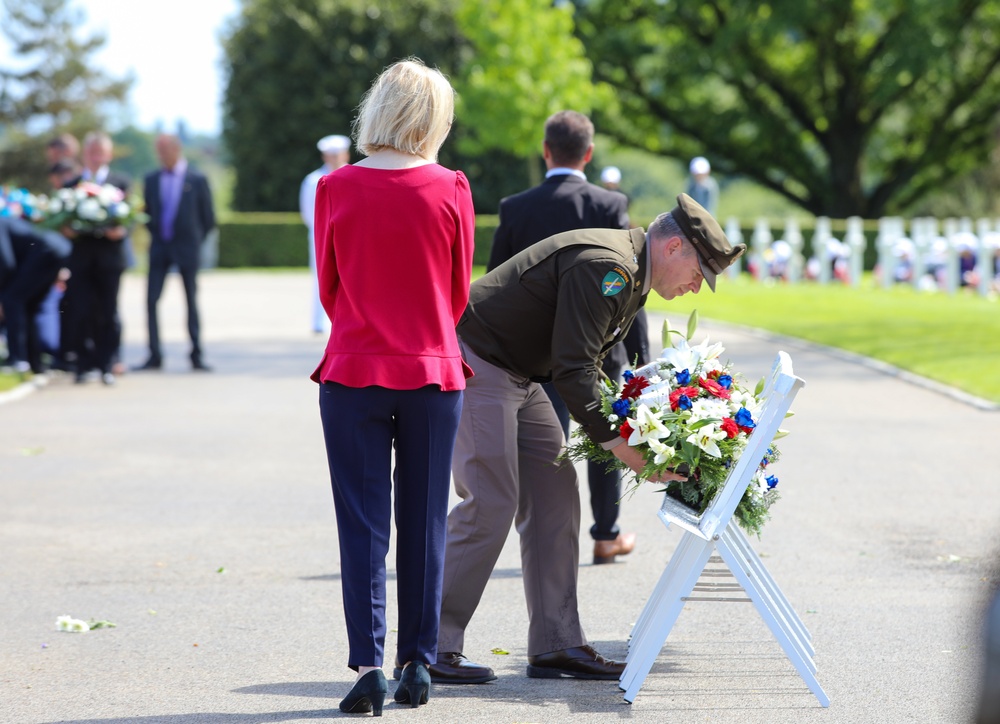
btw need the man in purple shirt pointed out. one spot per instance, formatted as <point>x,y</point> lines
<point>179,204</point>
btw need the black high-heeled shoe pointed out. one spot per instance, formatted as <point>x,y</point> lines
<point>368,695</point>
<point>414,685</point>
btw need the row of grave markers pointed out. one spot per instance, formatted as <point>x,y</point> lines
<point>931,253</point>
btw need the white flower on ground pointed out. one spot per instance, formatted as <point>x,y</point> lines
<point>647,426</point>
<point>707,439</point>
<point>663,451</point>
<point>74,625</point>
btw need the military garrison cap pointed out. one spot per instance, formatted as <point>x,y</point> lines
<point>715,253</point>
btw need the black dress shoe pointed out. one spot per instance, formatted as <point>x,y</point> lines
<point>150,364</point>
<point>368,695</point>
<point>199,366</point>
<point>414,685</point>
<point>581,662</point>
<point>454,668</point>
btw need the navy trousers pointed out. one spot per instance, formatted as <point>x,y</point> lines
<point>361,426</point>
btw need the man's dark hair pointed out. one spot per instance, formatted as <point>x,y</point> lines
<point>568,135</point>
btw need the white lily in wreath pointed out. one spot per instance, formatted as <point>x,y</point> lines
<point>647,427</point>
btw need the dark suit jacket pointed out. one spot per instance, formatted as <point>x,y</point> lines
<point>195,218</point>
<point>558,204</point>
<point>19,240</point>
<point>97,241</point>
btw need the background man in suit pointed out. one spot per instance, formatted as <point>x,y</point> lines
<point>566,201</point>
<point>336,152</point>
<point>179,205</point>
<point>91,332</point>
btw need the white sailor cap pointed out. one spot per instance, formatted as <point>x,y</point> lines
<point>333,144</point>
<point>700,164</point>
<point>611,175</point>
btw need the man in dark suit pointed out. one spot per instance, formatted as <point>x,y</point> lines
<point>30,260</point>
<point>179,205</point>
<point>91,328</point>
<point>566,201</point>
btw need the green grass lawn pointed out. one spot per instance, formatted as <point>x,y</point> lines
<point>954,339</point>
<point>9,381</point>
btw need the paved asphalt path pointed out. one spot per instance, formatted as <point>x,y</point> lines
<point>193,510</point>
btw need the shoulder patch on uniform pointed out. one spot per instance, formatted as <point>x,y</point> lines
<point>614,281</point>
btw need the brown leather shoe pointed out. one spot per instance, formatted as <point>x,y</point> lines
<point>454,668</point>
<point>606,550</point>
<point>581,662</point>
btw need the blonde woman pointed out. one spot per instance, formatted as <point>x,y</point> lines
<point>394,242</point>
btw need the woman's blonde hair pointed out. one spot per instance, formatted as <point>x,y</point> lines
<point>409,108</point>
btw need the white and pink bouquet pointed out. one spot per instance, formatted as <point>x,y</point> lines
<point>89,207</point>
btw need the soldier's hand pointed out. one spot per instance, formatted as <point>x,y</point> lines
<point>634,459</point>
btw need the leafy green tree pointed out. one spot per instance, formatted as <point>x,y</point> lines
<point>842,106</point>
<point>526,66</point>
<point>135,153</point>
<point>54,87</point>
<point>297,71</point>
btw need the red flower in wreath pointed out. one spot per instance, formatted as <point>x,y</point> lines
<point>714,388</point>
<point>634,387</point>
<point>625,430</point>
<point>729,426</point>
<point>687,393</point>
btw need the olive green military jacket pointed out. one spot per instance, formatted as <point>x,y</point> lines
<point>552,311</point>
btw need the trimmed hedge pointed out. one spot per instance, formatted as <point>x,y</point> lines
<point>263,240</point>
<point>279,239</point>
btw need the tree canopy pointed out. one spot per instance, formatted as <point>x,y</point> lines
<point>843,106</point>
<point>297,71</point>
<point>55,86</point>
<point>526,65</point>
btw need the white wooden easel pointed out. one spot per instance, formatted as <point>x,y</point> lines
<point>715,531</point>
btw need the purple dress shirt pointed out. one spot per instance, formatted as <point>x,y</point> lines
<point>171,186</point>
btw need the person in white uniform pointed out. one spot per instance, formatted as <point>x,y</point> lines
<point>336,152</point>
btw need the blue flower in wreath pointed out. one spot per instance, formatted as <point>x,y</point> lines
<point>684,402</point>
<point>763,462</point>
<point>683,377</point>
<point>628,375</point>
<point>622,407</point>
<point>725,381</point>
<point>745,419</point>
<point>771,482</point>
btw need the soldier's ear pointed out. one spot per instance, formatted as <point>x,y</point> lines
<point>674,245</point>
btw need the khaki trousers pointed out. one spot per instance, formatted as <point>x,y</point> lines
<point>505,470</point>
